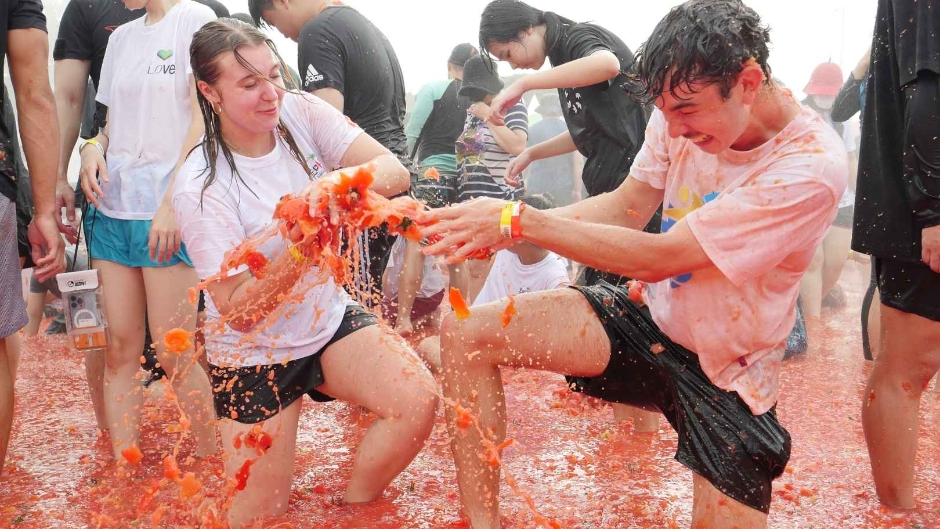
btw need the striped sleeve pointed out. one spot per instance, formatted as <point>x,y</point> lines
<point>518,117</point>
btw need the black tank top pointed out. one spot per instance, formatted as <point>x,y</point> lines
<point>444,124</point>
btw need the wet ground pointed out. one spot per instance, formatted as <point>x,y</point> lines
<point>579,465</point>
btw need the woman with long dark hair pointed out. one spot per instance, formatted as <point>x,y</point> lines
<point>589,66</point>
<point>275,338</point>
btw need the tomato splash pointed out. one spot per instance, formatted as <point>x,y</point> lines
<point>459,304</point>
<point>432,174</point>
<point>177,340</point>
<point>509,312</point>
<point>132,454</point>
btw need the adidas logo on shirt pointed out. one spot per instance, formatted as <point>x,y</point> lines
<point>313,76</point>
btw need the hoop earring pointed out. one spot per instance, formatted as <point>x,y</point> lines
<point>214,109</point>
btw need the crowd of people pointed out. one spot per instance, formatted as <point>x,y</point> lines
<point>681,212</point>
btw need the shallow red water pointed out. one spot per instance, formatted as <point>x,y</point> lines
<point>579,465</point>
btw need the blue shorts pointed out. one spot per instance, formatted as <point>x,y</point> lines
<point>125,242</point>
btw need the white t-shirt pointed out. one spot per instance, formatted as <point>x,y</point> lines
<point>433,279</point>
<point>233,211</point>
<point>145,84</point>
<point>509,276</point>
<point>759,216</point>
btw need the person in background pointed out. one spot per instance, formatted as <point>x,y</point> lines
<point>130,226</point>
<point>820,284</point>
<point>589,64</point>
<point>348,62</point>
<point>424,316</point>
<point>485,149</point>
<point>558,176</point>
<point>521,268</point>
<point>851,101</point>
<point>436,122</point>
<point>25,45</point>
<point>898,223</point>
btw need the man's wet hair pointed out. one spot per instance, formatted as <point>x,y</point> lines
<point>541,201</point>
<point>256,8</point>
<point>700,41</point>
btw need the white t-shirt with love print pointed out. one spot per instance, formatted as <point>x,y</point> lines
<point>234,210</point>
<point>759,215</point>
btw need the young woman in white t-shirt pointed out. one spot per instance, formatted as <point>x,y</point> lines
<point>265,353</point>
<point>130,227</point>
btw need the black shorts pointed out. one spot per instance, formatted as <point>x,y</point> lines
<point>435,193</point>
<point>909,286</point>
<point>253,394</point>
<point>719,438</point>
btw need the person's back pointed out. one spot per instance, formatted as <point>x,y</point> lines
<point>342,49</point>
<point>551,175</point>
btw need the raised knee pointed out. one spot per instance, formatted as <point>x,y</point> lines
<point>462,341</point>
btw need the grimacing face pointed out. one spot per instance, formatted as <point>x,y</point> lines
<point>700,113</point>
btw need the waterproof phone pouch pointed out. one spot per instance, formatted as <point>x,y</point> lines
<point>85,320</point>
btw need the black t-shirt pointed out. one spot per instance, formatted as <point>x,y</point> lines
<point>15,14</point>
<point>85,29</point>
<point>444,125</point>
<point>606,124</point>
<point>342,49</point>
<point>898,192</point>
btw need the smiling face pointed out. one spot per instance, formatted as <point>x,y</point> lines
<point>527,53</point>
<point>249,102</point>
<point>712,122</point>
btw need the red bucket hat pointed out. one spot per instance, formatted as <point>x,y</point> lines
<point>825,81</point>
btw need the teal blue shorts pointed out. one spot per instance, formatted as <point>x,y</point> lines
<point>124,242</point>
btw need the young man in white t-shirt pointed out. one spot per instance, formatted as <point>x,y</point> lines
<point>749,181</point>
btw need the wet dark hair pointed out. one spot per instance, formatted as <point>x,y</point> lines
<point>700,41</point>
<point>209,43</point>
<point>244,17</point>
<point>502,20</point>
<point>541,201</point>
<point>256,8</point>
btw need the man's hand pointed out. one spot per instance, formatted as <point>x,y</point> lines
<point>48,249</point>
<point>930,252</point>
<point>464,228</point>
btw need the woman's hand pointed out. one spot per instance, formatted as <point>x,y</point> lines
<point>464,228</point>
<point>481,111</point>
<point>516,167</point>
<point>505,100</point>
<point>93,167</point>
<point>165,239</point>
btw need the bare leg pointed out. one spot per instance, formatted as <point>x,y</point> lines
<point>836,247</point>
<point>910,356</point>
<point>14,349</point>
<point>409,283</point>
<point>268,487</point>
<point>94,376</point>
<point>643,421</point>
<point>460,279</point>
<point>6,403</point>
<point>874,325</point>
<point>479,269</point>
<point>553,331</point>
<point>811,287</point>
<point>124,305</point>
<point>430,351</point>
<point>35,304</point>
<point>168,307</point>
<point>375,369</point>
<point>713,510</point>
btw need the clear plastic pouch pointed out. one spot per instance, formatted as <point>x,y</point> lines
<point>85,319</point>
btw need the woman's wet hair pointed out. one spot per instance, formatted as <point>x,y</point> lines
<point>700,41</point>
<point>502,20</point>
<point>210,43</point>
